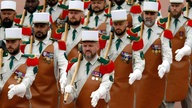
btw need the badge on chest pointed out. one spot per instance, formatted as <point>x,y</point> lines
<point>47,57</point>
<point>19,76</point>
<point>156,48</point>
<point>126,57</point>
<point>97,76</point>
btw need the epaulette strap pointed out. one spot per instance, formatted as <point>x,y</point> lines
<point>32,61</point>
<point>186,17</point>
<point>107,68</point>
<point>138,45</point>
<point>70,63</point>
<point>62,6</point>
<point>189,22</point>
<point>136,9</point>
<point>28,55</point>
<point>168,34</point>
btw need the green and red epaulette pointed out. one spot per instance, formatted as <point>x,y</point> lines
<point>189,22</point>
<point>86,3</point>
<point>82,20</point>
<point>107,66</point>
<point>27,31</point>
<point>65,14</point>
<point>133,31</point>
<point>168,34</point>
<point>102,41</point>
<point>70,63</point>
<point>17,18</point>
<point>22,47</point>
<point>159,5</point>
<point>138,45</point>
<point>57,34</point>
<point>32,61</point>
<point>162,22</point>
<point>136,9</point>
<point>62,45</point>
<point>62,6</point>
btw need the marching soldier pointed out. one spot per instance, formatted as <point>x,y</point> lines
<point>99,17</point>
<point>75,16</point>
<point>31,6</point>
<point>178,78</point>
<point>52,64</point>
<point>124,54</point>
<point>17,72</point>
<point>94,78</point>
<point>133,11</point>
<point>8,12</point>
<point>158,58</point>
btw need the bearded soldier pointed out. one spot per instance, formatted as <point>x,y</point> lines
<point>17,72</point>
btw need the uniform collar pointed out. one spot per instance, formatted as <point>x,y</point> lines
<point>100,15</point>
<point>54,7</point>
<point>45,41</point>
<point>180,18</point>
<point>123,38</point>
<point>78,28</point>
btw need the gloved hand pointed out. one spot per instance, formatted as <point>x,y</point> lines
<point>98,94</point>
<point>18,90</point>
<point>136,75</point>
<point>163,68</point>
<point>186,50</point>
<point>63,81</point>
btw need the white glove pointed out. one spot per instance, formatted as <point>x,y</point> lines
<point>163,68</point>
<point>98,94</point>
<point>136,75</point>
<point>186,50</point>
<point>18,90</point>
<point>63,81</point>
<point>69,89</point>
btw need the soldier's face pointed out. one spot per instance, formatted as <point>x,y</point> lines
<point>75,17</point>
<point>149,18</point>
<point>120,27</point>
<point>41,30</point>
<point>176,9</point>
<point>7,17</point>
<point>13,46</point>
<point>98,5</point>
<point>90,49</point>
<point>119,2</point>
<point>31,5</point>
<point>51,2</point>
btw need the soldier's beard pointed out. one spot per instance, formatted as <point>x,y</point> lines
<point>75,23</point>
<point>40,36</point>
<point>149,23</point>
<point>175,14</point>
<point>7,23</point>
<point>120,33</point>
<point>15,51</point>
<point>89,57</point>
<point>119,2</point>
<point>31,9</point>
<point>98,11</point>
<point>51,3</point>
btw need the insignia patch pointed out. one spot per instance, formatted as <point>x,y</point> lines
<point>48,57</point>
<point>19,76</point>
<point>181,34</point>
<point>60,23</point>
<point>96,76</point>
<point>156,49</point>
<point>126,57</point>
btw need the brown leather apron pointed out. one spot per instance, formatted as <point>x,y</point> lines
<point>84,100</point>
<point>15,102</point>
<point>122,93</point>
<point>73,53</point>
<point>44,89</point>
<point>150,89</point>
<point>177,79</point>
